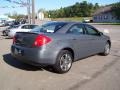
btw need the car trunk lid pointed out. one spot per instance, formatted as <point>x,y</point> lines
<point>25,39</point>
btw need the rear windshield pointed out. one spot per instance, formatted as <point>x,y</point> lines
<point>49,27</point>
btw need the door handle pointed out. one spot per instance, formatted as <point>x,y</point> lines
<point>74,39</point>
<point>92,39</point>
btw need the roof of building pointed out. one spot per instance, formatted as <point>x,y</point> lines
<point>103,10</point>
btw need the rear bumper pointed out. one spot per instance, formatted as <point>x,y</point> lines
<point>11,34</point>
<point>34,56</point>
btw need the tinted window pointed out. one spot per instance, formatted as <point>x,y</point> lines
<point>76,29</point>
<point>15,26</point>
<point>29,26</point>
<point>49,27</point>
<point>25,27</point>
<point>33,26</point>
<point>91,31</point>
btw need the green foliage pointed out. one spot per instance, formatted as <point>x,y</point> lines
<point>116,10</point>
<point>78,19</point>
<point>17,16</point>
<point>83,9</point>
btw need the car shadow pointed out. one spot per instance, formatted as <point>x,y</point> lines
<point>6,37</point>
<point>1,35</point>
<point>17,64</point>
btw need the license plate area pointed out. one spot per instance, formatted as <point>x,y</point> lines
<point>18,51</point>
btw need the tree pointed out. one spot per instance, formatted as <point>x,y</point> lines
<point>17,16</point>
<point>83,9</point>
<point>116,10</point>
<point>96,6</point>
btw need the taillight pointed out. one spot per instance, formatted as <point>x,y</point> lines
<point>14,40</point>
<point>41,40</point>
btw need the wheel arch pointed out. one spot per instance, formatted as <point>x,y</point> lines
<point>71,50</point>
<point>109,42</point>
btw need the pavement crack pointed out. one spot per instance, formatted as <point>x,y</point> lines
<point>98,73</point>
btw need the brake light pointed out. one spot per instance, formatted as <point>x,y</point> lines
<point>41,40</point>
<point>14,40</point>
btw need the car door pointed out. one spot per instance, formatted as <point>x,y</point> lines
<point>81,42</point>
<point>97,39</point>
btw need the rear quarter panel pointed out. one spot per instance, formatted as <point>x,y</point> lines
<point>60,42</point>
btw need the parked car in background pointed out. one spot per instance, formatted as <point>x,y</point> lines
<point>7,30</point>
<point>86,20</point>
<point>9,23</point>
<point>21,28</point>
<point>59,44</point>
<point>2,23</point>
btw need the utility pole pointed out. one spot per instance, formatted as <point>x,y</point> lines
<point>28,10</point>
<point>33,11</point>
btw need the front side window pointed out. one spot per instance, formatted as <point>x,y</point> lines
<point>91,31</point>
<point>76,29</point>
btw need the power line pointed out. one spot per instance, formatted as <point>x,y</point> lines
<point>20,2</point>
<point>25,4</point>
<point>11,6</point>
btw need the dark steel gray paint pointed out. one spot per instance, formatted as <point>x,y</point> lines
<point>82,46</point>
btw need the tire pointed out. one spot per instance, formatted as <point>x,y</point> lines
<point>63,62</point>
<point>4,34</point>
<point>106,49</point>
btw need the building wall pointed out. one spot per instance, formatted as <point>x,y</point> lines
<point>105,17</point>
<point>40,16</point>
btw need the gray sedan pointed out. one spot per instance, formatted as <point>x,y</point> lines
<point>59,44</point>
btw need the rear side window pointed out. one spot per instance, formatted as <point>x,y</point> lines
<point>15,26</point>
<point>25,27</point>
<point>76,29</point>
<point>49,27</point>
<point>32,26</point>
<point>29,26</point>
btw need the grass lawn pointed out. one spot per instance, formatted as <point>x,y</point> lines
<point>107,23</point>
<point>78,19</point>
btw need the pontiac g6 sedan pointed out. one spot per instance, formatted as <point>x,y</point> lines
<point>59,44</point>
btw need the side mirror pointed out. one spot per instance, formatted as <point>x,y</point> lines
<point>100,33</point>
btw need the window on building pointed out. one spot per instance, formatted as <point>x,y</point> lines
<point>105,17</point>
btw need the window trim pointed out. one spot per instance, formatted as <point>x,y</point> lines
<point>93,29</point>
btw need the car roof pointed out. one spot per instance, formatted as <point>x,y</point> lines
<point>28,24</point>
<point>69,22</point>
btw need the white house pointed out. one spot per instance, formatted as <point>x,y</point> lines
<point>104,14</point>
<point>41,16</point>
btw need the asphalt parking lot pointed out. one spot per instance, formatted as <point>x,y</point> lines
<point>92,73</point>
